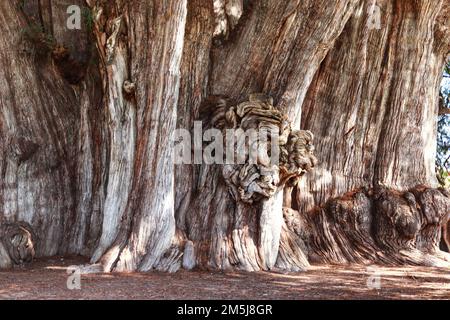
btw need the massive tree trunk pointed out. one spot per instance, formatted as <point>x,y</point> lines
<point>88,116</point>
<point>49,171</point>
<point>378,139</point>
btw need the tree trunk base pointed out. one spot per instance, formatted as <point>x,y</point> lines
<point>17,241</point>
<point>380,226</point>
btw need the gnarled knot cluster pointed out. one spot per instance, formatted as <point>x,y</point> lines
<point>280,155</point>
<point>17,241</point>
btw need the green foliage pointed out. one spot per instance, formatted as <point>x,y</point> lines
<point>88,18</point>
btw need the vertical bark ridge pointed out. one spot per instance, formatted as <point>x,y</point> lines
<point>148,225</point>
<point>258,60</point>
<point>39,131</point>
<point>374,118</point>
<point>355,128</point>
<point>195,68</point>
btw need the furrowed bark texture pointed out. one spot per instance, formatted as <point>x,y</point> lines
<point>43,124</point>
<point>87,118</point>
<point>373,106</point>
<point>248,59</point>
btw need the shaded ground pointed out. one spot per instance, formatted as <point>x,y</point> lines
<point>47,279</point>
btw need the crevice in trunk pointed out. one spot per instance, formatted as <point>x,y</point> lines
<point>90,166</point>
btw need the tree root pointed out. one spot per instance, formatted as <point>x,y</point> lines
<point>380,226</point>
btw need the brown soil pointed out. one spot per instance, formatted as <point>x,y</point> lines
<point>46,279</point>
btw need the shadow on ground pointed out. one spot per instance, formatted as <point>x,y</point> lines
<point>47,279</point>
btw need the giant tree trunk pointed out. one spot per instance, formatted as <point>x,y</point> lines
<point>378,140</point>
<point>48,169</point>
<point>87,121</point>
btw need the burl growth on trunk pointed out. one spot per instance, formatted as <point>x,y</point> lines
<point>17,242</point>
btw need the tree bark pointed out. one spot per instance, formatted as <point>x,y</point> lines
<point>88,116</point>
<point>43,124</point>
<point>139,39</point>
<point>378,133</point>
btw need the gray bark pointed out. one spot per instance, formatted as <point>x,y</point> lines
<point>87,116</point>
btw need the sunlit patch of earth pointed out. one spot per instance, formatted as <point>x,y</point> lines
<point>47,279</point>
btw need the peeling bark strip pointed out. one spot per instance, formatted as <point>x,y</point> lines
<point>87,115</point>
<point>145,40</point>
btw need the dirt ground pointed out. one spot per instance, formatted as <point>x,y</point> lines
<point>47,279</point>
